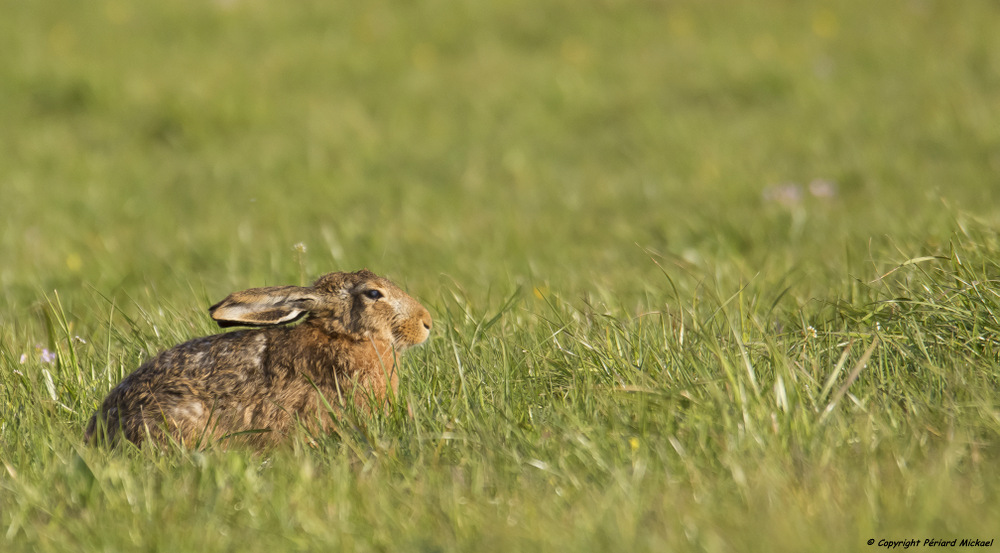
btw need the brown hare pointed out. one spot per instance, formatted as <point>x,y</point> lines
<point>256,385</point>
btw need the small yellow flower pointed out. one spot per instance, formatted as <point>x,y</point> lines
<point>825,24</point>
<point>74,262</point>
<point>633,442</point>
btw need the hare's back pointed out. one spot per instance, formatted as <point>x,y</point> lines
<point>184,385</point>
<point>206,363</point>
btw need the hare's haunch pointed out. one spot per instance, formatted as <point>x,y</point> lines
<point>255,385</point>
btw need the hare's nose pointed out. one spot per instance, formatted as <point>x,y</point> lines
<point>427,321</point>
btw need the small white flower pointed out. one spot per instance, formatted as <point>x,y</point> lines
<point>48,357</point>
<point>822,188</point>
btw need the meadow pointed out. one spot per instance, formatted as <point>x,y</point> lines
<point>706,276</point>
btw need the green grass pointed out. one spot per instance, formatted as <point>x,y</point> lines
<point>644,339</point>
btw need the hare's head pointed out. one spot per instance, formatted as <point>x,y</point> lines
<point>360,305</point>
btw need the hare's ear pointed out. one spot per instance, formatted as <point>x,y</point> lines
<point>263,306</point>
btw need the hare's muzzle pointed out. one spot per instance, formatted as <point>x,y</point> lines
<point>413,328</point>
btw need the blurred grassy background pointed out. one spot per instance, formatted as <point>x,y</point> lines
<point>155,157</point>
<point>487,141</point>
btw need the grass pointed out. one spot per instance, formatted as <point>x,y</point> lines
<point>705,276</point>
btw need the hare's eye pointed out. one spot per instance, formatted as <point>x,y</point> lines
<point>373,294</point>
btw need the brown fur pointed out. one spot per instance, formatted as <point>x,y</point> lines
<point>256,385</point>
